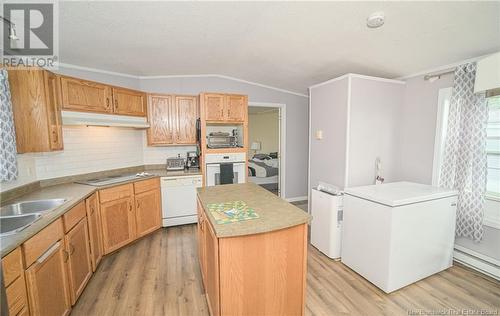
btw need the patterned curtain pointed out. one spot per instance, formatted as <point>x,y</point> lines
<point>8,159</point>
<point>465,162</point>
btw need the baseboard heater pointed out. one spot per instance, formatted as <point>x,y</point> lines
<point>477,261</point>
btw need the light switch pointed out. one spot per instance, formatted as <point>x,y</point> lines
<point>319,135</point>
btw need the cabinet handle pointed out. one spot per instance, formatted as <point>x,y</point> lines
<point>130,207</point>
<point>107,103</point>
<point>228,112</point>
<point>116,104</point>
<point>71,249</point>
<point>222,112</point>
<point>66,255</point>
<point>138,204</point>
<point>47,253</point>
<point>54,132</point>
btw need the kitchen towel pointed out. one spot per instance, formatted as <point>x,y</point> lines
<point>226,173</point>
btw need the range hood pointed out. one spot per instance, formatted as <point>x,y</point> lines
<point>95,119</point>
<point>488,75</point>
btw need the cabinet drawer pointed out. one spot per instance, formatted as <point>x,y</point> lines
<point>16,296</point>
<point>73,216</point>
<point>146,185</point>
<point>116,193</point>
<point>12,266</point>
<point>41,242</point>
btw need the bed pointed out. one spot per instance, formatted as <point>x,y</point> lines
<point>263,170</point>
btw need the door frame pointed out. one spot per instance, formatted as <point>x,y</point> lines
<point>281,141</point>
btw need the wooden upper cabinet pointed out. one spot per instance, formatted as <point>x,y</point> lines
<point>118,223</point>
<point>214,106</point>
<point>83,95</point>
<point>186,115</point>
<point>79,267</point>
<point>236,108</point>
<point>148,211</point>
<point>53,96</point>
<point>172,119</point>
<point>36,108</point>
<point>95,230</point>
<point>129,102</point>
<point>161,110</point>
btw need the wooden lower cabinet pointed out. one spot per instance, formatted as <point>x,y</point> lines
<point>79,266</point>
<point>118,223</point>
<point>95,230</point>
<point>259,274</point>
<point>148,212</point>
<point>212,270</point>
<point>47,283</point>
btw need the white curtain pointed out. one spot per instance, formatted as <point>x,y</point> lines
<point>465,162</point>
<point>8,158</point>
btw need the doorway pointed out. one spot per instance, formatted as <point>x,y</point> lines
<point>266,146</point>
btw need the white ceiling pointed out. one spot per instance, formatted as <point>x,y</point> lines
<point>290,45</point>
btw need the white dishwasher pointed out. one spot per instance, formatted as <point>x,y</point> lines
<point>178,199</point>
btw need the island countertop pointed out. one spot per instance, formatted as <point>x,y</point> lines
<point>274,212</point>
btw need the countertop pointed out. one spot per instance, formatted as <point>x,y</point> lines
<point>274,212</point>
<point>75,193</point>
<point>71,191</point>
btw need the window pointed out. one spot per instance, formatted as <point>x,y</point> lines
<point>493,147</point>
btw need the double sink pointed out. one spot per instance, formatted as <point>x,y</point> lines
<point>18,216</point>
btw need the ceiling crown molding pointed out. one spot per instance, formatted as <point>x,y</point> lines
<point>71,66</point>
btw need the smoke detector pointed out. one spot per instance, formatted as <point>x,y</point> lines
<point>375,20</point>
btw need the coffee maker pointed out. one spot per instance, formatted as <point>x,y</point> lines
<point>192,160</point>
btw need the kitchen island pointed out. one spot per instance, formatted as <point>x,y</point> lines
<point>255,266</point>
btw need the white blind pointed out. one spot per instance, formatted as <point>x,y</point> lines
<point>493,147</point>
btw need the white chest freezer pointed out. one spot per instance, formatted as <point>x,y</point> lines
<point>398,233</point>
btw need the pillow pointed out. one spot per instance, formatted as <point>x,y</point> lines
<point>261,156</point>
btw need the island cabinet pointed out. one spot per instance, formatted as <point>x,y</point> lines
<point>36,106</point>
<point>172,119</point>
<point>253,268</point>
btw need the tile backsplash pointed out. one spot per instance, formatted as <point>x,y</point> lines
<point>91,149</point>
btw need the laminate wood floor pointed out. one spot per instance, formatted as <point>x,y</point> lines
<point>159,275</point>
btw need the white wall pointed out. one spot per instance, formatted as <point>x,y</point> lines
<point>373,133</point>
<point>329,115</point>
<point>264,128</point>
<point>76,158</point>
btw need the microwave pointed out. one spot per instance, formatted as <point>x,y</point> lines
<point>222,141</point>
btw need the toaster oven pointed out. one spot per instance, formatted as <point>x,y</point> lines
<point>221,141</point>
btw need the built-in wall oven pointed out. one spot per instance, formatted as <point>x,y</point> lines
<point>213,167</point>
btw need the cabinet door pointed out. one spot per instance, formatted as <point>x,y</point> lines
<point>129,102</point>
<point>27,87</point>
<point>214,107</point>
<point>82,95</point>
<point>201,244</point>
<point>118,223</point>
<point>79,267</point>
<point>95,230</point>
<point>148,211</point>
<point>53,101</point>
<point>212,269</point>
<point>161,110</point>
<point>185,119</point>
<point>47,283</point>
<point>236,108</point>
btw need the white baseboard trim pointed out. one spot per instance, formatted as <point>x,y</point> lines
<point>476,261</point>
<point>295,199</point>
